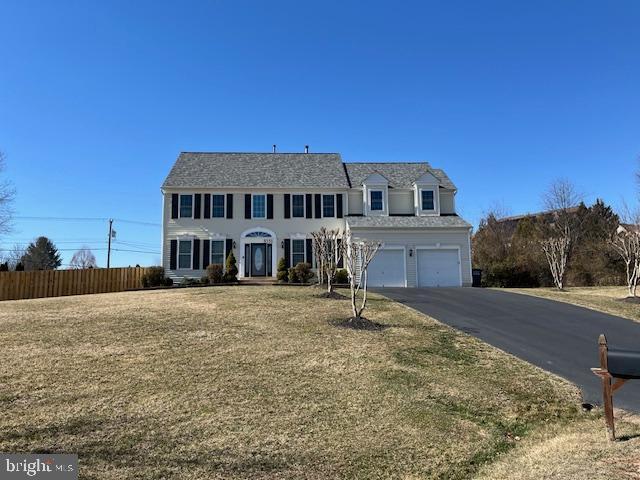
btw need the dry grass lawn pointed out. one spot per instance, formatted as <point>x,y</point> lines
<point>255,382</point>
<point>604,299</point>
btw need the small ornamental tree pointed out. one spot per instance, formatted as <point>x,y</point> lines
<point>231,274</point>
<point>283,271</point>
<point>358,257</point>
<point>626,242</point>
<point>327,249</point>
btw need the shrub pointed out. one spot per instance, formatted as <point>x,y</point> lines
<point>186,281</point>
<point>214,273</point>
<point>303,272</point>
<point>341,276</point>
<point>4,267</point>
<point>168,282</point>
<point>232,270</point>
<point>154,277</point>
<point>293,275</point>
<point>204,280</point>
<point>19,267</point>
<point>283,273</point>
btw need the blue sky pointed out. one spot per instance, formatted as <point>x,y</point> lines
<point>98,98</point>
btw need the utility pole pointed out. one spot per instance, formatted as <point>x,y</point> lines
<point>109,245</point>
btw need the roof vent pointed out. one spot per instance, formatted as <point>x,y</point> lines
<point>306,149</point>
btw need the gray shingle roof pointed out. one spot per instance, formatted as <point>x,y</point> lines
<point>400,174</point>
<point>276,170</point>
<point>406,222</point>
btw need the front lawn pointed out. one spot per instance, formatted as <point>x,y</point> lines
<point>257,382</point>
<point>605,299</point>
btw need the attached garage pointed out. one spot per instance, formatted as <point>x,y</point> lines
<point>387,269</point>
<point>438,267</point>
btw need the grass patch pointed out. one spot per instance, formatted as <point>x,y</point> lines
<point>256,382</point>
<point>604,299</point>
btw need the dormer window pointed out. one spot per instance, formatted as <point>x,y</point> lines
<point>428,202</point>
<point>377,203</point>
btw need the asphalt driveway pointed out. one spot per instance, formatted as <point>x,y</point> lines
<point>556,336</point>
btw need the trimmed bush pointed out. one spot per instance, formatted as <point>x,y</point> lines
<point>168,282</point>
<point>215,273</point>
<point>341,276</point>
<point>293,275</point>
<point>303,272</point>
<point>231,274</point>
<point>204,280</point>
<point>283,273</point>
<point>154,277</point>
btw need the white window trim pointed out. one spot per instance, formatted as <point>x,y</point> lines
<point>184,239</point>
<point>304,205</point>
<point>303,238</point>
<point>381,190</point>
<point>438,246</point>
<point>253,216</point>
<point>218,238</point>
<point>224,205</point>
<point>193,207</point>
<point>436,200</point>
<point>435,206</point>
<point>334,204</point>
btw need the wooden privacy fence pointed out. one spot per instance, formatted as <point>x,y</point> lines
<point>56,283</point>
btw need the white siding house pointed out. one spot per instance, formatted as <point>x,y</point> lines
<point>263,207</point>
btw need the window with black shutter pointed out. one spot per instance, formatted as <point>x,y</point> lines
<point>287,205</point>
<point>269,206</point>
<point>175,205</point>
<point>229,205</point>
<point>318,205</point>
<point>247,205</point>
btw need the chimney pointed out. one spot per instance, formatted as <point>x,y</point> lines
<point>306,149</point>
<point>274,148</point>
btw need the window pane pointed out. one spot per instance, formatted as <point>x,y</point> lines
<point>376,200</point>
<point>185,246</point>
<point>259,206</point>
<point>327,205</point>
<point>297,252</point>
<point>427,200</point>
<point>217,252</point>
<point>186,202</point>
<point>218,206</point>
<point>298,205</point>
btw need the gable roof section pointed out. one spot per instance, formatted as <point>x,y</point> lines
<point>269,170</point>
<point>400,174</point>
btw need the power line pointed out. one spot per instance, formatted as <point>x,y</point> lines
<point>88,219</point>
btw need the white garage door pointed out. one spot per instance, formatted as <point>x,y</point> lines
<point>386,269</point>
<point>438,268</point>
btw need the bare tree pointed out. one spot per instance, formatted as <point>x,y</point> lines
<point>7,194</point>
<point>83,258</point>
<point>626,242</point>
<point>358,257</point>
<point>328,248</point>
<point>561,228</point>
<point>15,256</point>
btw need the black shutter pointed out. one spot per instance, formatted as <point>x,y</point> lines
<point>340,259</point>
<point>206,257</point>
<point>318,205</point>
<point>309,252</point>
<point>287,252</point>
<point>269,206</point>
<point>175,205</point>
<point>339,205</point>
<point>173,254</point>
<point>229,205</point>
<point>207,206</point>
<point>247,205</point>
<point>228,248</point>
<point>287,205</point>
<point>197,205</point>
<point>308,200</point>
<point>196,254</point>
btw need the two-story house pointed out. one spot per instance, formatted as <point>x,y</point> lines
<point>264,206</point>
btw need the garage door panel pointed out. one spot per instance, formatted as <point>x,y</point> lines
<point>438,268</point>
<point>387,269</point>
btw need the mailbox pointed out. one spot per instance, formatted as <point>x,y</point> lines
<point>621,365</point>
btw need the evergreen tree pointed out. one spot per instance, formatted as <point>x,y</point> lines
<point>231,274</point>
<point>41,255</point>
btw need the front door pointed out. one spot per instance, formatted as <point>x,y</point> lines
<point>258,260</point>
